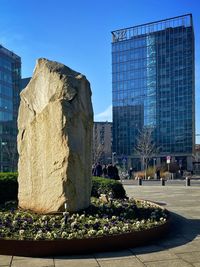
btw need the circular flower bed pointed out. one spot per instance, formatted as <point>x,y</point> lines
<point>100,219</point>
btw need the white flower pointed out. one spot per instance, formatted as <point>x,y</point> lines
<point>39,235</point>
<point>105,229</point>
<point>113,230</point>
<point>21,232</point>
<point>125,227</point>
<point>64,235</point>
<point>100,232</point>
<point>70,236</point>
<point>14,223</point>
<point>82,216</point>
<point>44,217</point>
<point>39,232</point>
<point>81,232</point>
<point>49,235</point>
<point>74,224</point>
<point>91,232</point>
<point>55,235</point>
<point>162,219</point>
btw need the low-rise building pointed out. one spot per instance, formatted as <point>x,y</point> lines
<point>102,142</point>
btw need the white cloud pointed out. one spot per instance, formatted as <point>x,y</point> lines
<point>106,115</point>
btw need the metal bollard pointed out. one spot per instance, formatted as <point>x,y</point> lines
<point>162,181</point>
<point>140,181</point>
<point>187,181</point>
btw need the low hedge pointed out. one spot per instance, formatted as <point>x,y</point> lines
<point>9,187</point>
<point>105,186</point>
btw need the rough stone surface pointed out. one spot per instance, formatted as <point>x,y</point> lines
<point>54,142</point>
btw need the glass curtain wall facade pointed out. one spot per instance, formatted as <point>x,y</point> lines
<point>153,86</point>
<point>10,79</point>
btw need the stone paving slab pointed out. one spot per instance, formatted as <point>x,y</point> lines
<point>5,260</point>
<point>188,247</point>
<point>192,257</point>
<point>158,255</point>
<point>167,263</point>
<point>75,262</point>
<point>32,262</point>
<point>121,262</point>
<point>113,255</point>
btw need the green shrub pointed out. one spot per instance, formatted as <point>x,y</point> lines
<point>105,186</point>
<point>149,173</point>
<point>8,186</point>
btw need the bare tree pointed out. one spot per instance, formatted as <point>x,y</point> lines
<point>98,152</point>
<point>145,147</point>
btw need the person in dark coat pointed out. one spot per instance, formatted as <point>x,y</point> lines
<point>130,173</point>
<point>98,170</point>
<point>158,174</point>
<point>105,171</point>
<point>110,171</point>
<point>116,173</point>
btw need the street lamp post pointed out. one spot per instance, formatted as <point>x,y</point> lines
<point>154,167</point>
<point>154,163</point>
<point>113,157</point>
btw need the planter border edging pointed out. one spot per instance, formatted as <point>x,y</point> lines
<point>43,248</point>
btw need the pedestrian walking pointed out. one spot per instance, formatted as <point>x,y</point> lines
<point>110,171</point>
<point>105,171</point>
<point>116,172</point>
<point>98,170</point>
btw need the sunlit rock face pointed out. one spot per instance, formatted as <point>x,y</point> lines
<point>55,138</point>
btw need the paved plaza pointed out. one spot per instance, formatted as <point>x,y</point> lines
<point>181,247</point>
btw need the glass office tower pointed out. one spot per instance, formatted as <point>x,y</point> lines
<point>10,78</point>
<point>153,86</point>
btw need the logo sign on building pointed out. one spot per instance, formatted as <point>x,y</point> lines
<point>168,159</point>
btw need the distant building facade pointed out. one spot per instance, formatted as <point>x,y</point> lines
<point>24,82</point>
<point>153,86</point>
<point>10,79</point>
<point>102,142</point>
<point>196,162</point>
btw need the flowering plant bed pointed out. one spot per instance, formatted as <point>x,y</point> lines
<point>103,226</point>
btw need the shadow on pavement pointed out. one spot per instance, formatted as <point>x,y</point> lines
<point>181,232</point>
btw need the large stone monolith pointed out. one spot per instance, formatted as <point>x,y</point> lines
<point>54,142</point>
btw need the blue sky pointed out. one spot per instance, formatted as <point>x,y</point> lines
<point>78,34</point>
